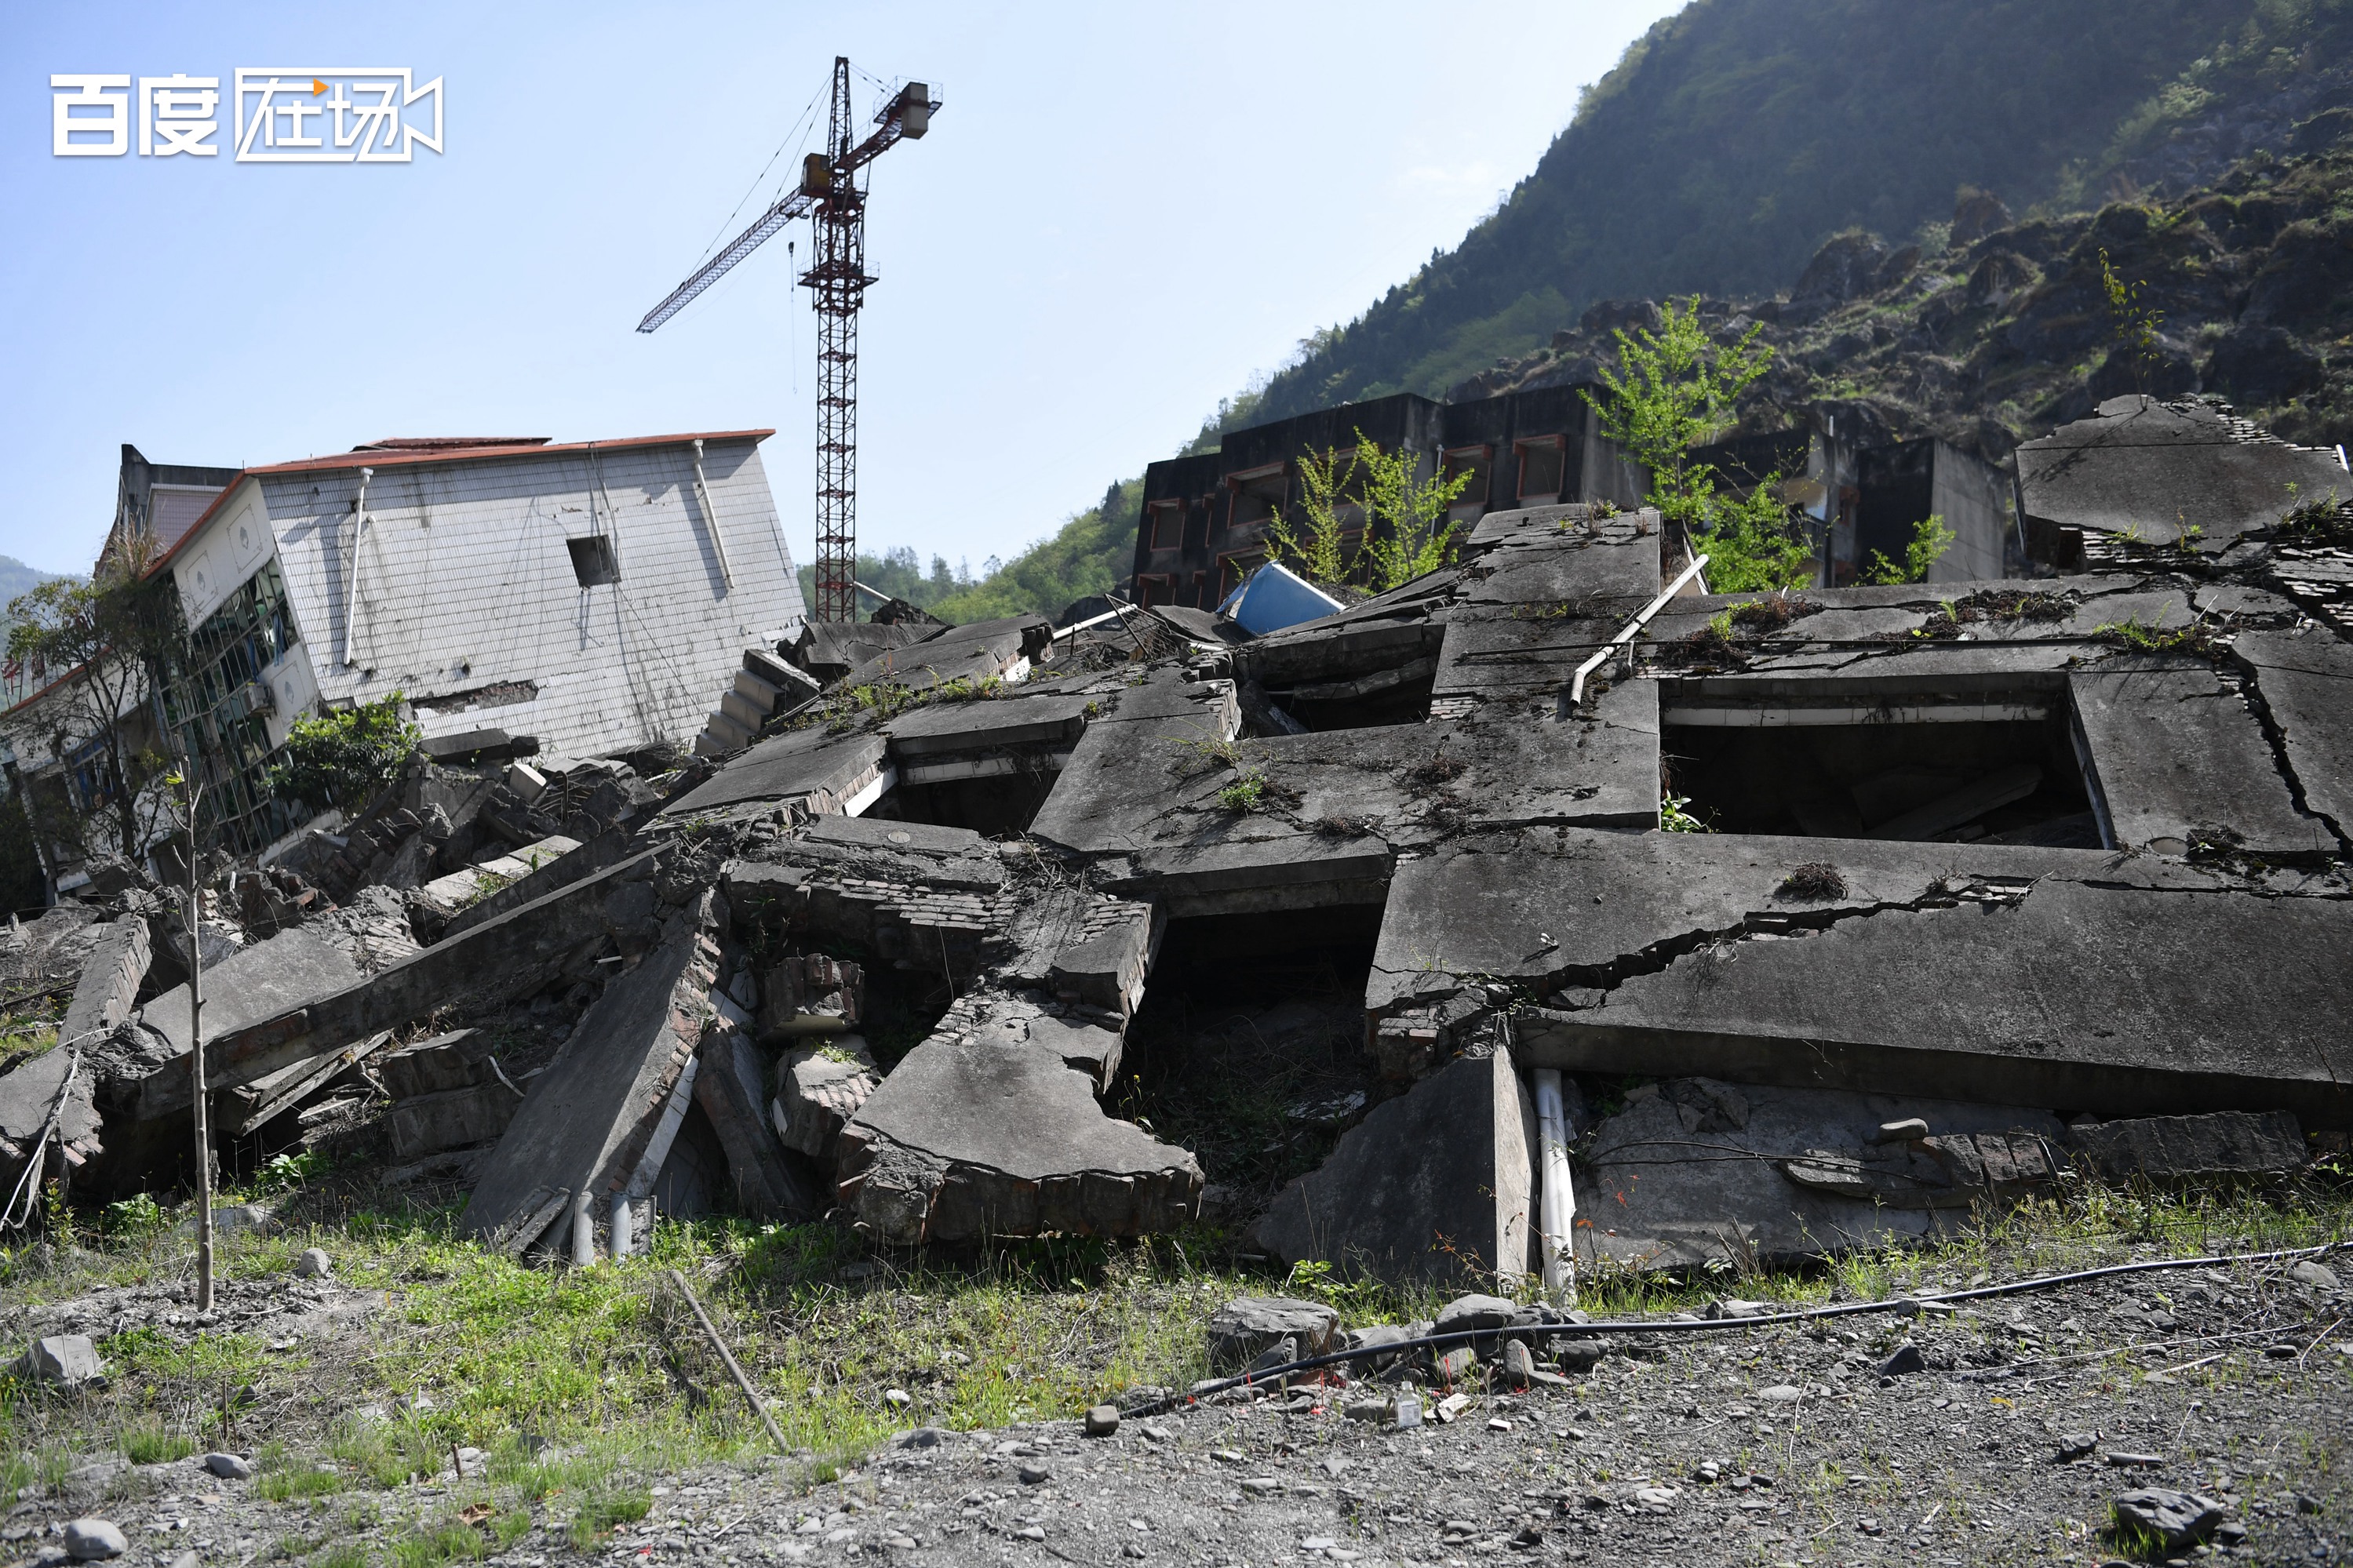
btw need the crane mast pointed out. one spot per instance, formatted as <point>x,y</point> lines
<point>836,280</point>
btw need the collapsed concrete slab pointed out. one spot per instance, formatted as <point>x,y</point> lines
<point>1712,956</point>
<point>2178,759</point>
<point>2222,1145</point>
<point>979,1133</point>
<point>514,955</point>
<point>107,989</point>
<point>1437,1184</point>
<point>1696,1171</point>
<point>591,1118</point>
<point>2129,470</point>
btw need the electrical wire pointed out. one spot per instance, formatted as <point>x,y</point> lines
<point>803,126</point>
<point>1709,1325</point>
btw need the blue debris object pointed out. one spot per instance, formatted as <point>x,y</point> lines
<point>1273,597</point>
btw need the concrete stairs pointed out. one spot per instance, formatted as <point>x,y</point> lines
<point>764,687</point>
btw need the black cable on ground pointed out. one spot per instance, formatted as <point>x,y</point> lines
<point>1708,1325</point>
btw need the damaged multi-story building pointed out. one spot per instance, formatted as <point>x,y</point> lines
<point>1209,518</point>
<point>1804,919</point>
<point>584,599</point>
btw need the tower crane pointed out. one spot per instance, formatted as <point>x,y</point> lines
<point>829,194</point>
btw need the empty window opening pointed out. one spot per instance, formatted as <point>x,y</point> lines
<point>593,562</point>
<point>1248,1048</point>
<point>1154,588</point>
<point>998,803</point>
<point>1476,467</point>
<point>1398,695</point>
<point>2006,782</point>
<point>1543,461</point>
<point>1258,496</point>
<point>1168,524</point>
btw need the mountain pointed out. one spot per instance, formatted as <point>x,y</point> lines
<point>16,578</point>
<point>1738,137</point>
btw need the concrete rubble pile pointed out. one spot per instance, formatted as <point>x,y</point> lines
<point>2002,886</point>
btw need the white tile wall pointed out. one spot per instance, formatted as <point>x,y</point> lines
<point>464,581</point>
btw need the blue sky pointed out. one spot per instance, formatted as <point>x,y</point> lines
<point>1120,213</point>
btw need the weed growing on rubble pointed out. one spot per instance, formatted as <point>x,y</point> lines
<point>1674,818</point>
<point>2135,635</point>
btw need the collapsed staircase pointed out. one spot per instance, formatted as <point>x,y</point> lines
<point>764,687</point>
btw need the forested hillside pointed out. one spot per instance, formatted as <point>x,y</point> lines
<point>1739,136</point>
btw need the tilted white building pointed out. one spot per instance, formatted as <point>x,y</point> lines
<point>598,596</point>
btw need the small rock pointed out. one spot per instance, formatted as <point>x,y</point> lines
<point>89,1539</point>
<point>1578,1356</point>
<point>1367,1410</point>
<point>900,1542</point>
<point>1157,1434</point>
<point>1901,1131</point>
<point>2311,1271</point>
<point>1780,1393</point>
<point>1519,1366</point>
<point>1708,1473</point>
<point>1906,1361</point>
<point>1499,1424</point>
<point>920,1437</point>
<point>1034,1475</point>
<point>472,1461</point>
<point>67,1360</point>
<point>1334,1466</point>
<point>1242,1330</point>
<point>1103,1420</point>
<point>1226,1456</point>
<point>228,1466</point>
<point>2178,1519</point>
<point>1262,1485</point>
<point>1467,1312</point>
<point>2076,1446</point>
<point>95,1477</point>
<point>1029,1532</point>
<point>2137,1461</point>
<point>1453,1365</point>
<point>314,1264</point>
<point>898,1397</point>
<point>1453,1405</point>
<point>1283,1352</point>
<point>1318,1544</point>
<point>1656,1497</point>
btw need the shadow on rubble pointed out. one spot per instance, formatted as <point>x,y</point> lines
<point>1248,1048</point>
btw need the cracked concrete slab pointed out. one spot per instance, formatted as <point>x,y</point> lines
<point>2092,980</point>
<point>2177,759</point>
<point>2305,681</point>
<point>987,1130</point>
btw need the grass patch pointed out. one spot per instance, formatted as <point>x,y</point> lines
<point>150,1443</point>
<point>598,1514</point>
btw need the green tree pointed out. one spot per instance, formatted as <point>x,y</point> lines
<point>1930,539</point>
<point>1676,392</point>
<point>344,758</point>
<point>98,641</point>
<point>1401,537</point>
<point>2133,323</point>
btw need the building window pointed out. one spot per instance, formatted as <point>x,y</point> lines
<point>1168,524</point>
<point>593,562</point>
<point>1155,588</point>
<point>1200,600</point>
<point>1477,465</point>
<point>1258,495</point>
<point>1542,459</point>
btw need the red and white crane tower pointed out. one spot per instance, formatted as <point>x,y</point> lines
<point>829,194</point>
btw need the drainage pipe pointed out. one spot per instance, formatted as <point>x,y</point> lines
<point>1628,632</point>
<point>1560,1194</point>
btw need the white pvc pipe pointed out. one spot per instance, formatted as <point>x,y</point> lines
<point>620,1228</point>
<point>1628,632</point>
<point>1559,1196</point>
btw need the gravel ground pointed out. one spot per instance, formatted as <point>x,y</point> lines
<point>1746,1446</point>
